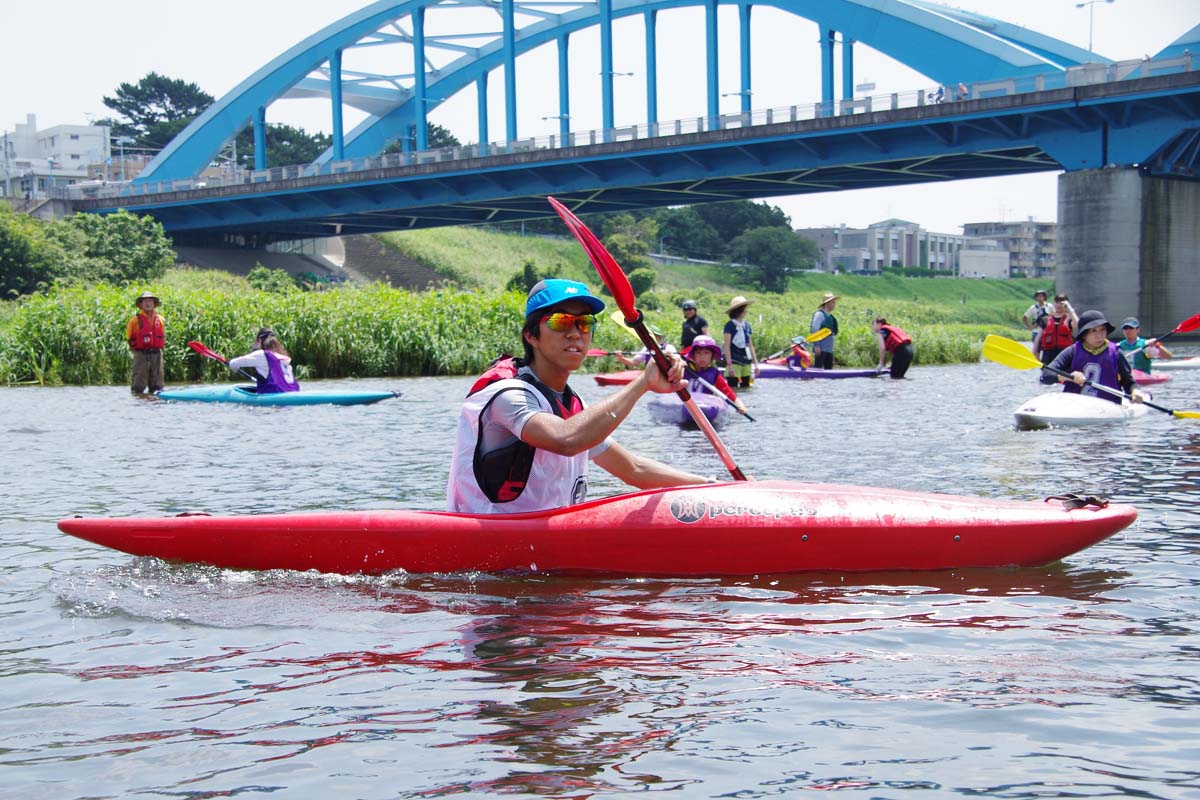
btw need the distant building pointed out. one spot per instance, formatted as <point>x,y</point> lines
<point>33,162</point>
<point>1032,246</point>
<point>983,258</point>
<point>890,243</point>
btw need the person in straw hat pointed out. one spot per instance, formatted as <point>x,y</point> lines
<point>741,362</point>
<point>823,318</point>
<point>146,337</point>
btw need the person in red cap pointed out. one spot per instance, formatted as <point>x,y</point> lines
<point>524,438</point>
<point>146,336</point>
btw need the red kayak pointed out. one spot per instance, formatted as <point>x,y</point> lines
<point>1149,378</point>
<point>617,378</point>
<point>743,528</point>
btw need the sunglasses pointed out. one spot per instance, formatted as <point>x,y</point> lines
<point>561,323</point>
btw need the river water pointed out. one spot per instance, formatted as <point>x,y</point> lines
<point>127,677</point>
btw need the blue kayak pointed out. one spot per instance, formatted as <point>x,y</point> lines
<point>246,395</point>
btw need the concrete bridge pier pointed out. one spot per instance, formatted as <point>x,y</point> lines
<point>1129,245</point>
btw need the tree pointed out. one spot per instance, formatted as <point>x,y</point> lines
<point>730,220</point>
<point>286,145</point>
<point>436,136</point>
<point>683,232</point>
<point>156,108</point>
<point>629,239</point>
<point>29,255</point>
<point>118,247</point>
<point>770,254</point>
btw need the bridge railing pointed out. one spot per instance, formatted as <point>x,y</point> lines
<point>1081,75</point>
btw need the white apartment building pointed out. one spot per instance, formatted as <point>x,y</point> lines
<point>890,243</point>
<point>33,162</point>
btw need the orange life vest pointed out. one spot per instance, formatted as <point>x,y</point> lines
<point>150,334</point>
<point>1057,334</point>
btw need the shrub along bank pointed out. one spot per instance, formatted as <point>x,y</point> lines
<point>75,335</point>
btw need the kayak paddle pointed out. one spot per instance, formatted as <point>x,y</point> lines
<point>815,336</point>
<point>215,356</point>
<point>622,292</point>
<point>1016,355</point>
<point>721,395</point>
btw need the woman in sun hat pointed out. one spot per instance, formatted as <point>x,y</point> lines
<point>146,335</point>
<point>741,362</point>
<point>823,318</point>
<point>1093,357</point>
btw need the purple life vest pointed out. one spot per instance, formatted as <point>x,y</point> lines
<point>279,376</point>
<point>1101,369</point>
<point>695,386</point>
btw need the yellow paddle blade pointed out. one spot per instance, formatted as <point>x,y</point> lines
<point>619,318</point>
<point>818,335</point>
<point>1010,353</point>
<point>1187,414</point>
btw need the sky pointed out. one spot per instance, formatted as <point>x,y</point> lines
<point>61,60</point>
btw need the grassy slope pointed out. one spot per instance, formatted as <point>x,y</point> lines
<point>484,260</point>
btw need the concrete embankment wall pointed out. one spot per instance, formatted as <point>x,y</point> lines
<point>1129,245</point>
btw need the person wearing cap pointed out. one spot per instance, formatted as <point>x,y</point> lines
<point>1138,351</point>
<point>693,324</point>
<point>524,438</point>
<point>741,362</point>
<point>146,335</point>
<point>1094,358</point>
<point>642,357</point>
<point>271,362</point>
<point>702,367</point>
<point>894,345</point>
<point>1035,317</point>
<point>823,318</point>
<point>1058,334</point>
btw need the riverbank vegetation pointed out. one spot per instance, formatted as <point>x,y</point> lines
<point>73,334</point>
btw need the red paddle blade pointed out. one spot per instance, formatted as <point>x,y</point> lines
<point>204,351</point>
<point>610,272</point>
<point>1189,324</point>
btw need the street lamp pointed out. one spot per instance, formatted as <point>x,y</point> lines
<point>121,142</point>
<point>1091,18</point>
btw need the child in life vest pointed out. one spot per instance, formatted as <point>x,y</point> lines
<point>1092,359</point>
<point>701,367</point>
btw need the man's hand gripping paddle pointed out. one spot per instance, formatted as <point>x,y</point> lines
<point>215,356</point>
<point>1016,355</point>
<point>622,292</point>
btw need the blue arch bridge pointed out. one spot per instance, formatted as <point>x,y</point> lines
<point>1126,134</point>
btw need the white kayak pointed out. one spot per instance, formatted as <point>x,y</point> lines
<point>1065,409</point>
<point>1177,363</point>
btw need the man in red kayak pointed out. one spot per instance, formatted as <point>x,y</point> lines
<point>524,438</point>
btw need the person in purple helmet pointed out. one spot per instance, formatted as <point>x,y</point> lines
<point>1094,358</point>
<point>271,362</point>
